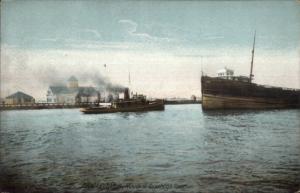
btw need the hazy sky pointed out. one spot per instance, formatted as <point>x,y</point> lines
<point>161,43</point>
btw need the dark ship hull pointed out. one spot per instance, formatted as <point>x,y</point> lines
<point>220,93</point>
<point>152,106</point>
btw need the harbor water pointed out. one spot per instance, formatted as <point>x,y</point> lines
<point>181,149</point>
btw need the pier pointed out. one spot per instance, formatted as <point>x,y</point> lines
<point>45,106</point>
<point>37,106</point>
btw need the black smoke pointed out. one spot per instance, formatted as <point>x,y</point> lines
<point>51,76</point>
<point>100,82</point>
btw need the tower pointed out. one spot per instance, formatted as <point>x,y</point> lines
<point>73,82</point>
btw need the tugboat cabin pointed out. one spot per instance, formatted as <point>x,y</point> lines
<point>130,102</point>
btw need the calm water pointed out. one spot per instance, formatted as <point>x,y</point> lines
<point>181,149</point>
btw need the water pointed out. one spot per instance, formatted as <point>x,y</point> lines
<point>181,149</point>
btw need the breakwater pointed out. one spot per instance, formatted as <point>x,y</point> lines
<point>44,106</point>
<point>181,102</point>
<point>76,105</point>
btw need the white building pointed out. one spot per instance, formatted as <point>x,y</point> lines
<point>72,93</point>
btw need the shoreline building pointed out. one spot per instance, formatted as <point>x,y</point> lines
<point>2,101</point>
<point>19,98</point>
<point>72,93</point>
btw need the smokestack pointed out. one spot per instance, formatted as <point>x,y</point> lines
<point>98,97</point>
<point>126,94</point>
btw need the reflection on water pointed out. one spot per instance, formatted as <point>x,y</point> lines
<point>181,149</point>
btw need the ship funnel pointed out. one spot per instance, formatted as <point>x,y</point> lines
<point>126,94</point>
<point>98,97</point>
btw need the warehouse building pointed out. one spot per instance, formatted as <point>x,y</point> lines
<point>19,98</point>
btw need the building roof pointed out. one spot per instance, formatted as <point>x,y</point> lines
<point>19,95</point>
<point>83,91</point>
<point>62,90</point>
<point>72,78</point>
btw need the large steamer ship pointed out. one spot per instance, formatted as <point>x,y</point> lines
<point>227,91</point>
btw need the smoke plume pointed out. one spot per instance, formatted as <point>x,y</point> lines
<point>101,83</point>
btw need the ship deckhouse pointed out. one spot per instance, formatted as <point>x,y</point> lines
<point>225,73</point>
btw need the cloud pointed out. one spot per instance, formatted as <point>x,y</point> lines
<point>81,37</point>
<point>212,37</point>
<point>48,39</point>
<point>130,29</point>
<point>92,32</point>
<point>130,25</point>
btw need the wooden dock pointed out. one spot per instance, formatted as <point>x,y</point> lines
<point>77,105</point>
<point>45,106</point>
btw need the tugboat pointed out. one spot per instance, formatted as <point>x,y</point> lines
<point>135,104</point>
<point>239,92</point>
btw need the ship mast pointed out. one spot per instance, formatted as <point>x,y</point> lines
<point>129,82</point>
<point>129,79</point>
<point>251,70</point>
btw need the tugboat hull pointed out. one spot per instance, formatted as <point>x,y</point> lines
<point>158,106</point>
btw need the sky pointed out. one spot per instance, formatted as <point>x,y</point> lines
<point>164,45</point>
